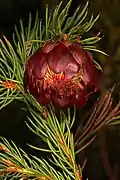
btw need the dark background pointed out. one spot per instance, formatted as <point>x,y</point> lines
<point>12,118</point>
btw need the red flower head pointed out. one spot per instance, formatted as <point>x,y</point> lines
<point>61,72</point>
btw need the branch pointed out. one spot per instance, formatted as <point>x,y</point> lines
<point>55,131</point>
<point>14,162</point>
<point>102,114</point>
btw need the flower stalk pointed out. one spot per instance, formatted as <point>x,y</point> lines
<point>67,151</point>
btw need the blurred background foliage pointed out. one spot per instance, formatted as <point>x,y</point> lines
<point>12,118</point>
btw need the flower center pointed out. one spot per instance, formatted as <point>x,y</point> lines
<point>53,78</point>
<point>61,86</point>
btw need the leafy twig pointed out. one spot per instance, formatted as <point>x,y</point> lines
<point>102,114</point>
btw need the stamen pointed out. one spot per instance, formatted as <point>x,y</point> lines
<point>53,78</point>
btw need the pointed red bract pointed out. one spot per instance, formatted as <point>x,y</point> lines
<point>63,73</point>
<point>54,58</point>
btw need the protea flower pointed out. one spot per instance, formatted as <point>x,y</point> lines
<point>61,72</point>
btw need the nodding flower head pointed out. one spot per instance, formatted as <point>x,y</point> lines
<point>63,73</point>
